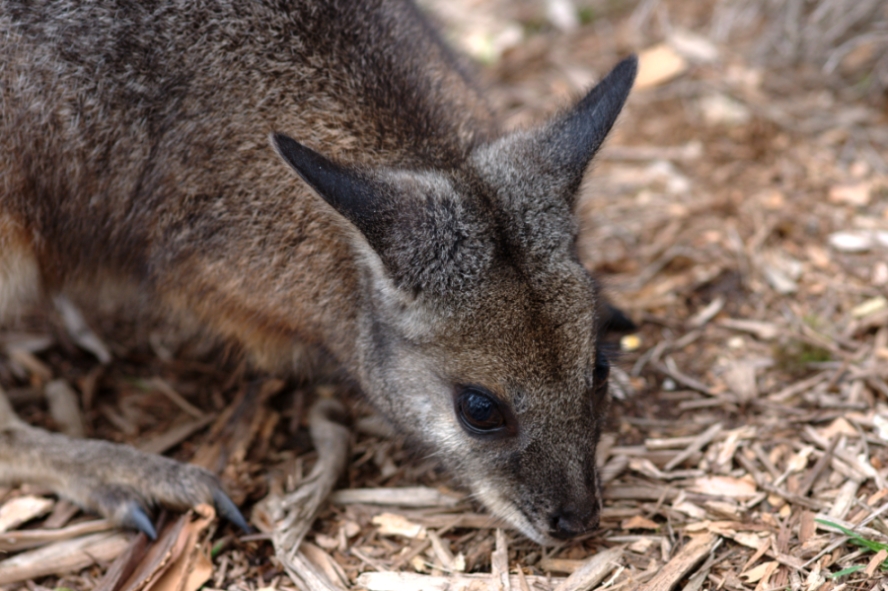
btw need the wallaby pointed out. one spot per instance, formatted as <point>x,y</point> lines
<point>427,251</point>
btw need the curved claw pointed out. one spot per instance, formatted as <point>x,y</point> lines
<point>227,509</point>
<point>136,518</point>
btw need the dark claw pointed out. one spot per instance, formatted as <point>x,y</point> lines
<point>136,518</point>
<point>227,509</point>
<point>615,320</point>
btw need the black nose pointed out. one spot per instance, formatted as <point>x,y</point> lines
<point>568,522</point>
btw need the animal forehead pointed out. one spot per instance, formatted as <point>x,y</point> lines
<point>530,333</point>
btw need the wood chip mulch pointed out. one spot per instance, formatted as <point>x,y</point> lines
<point>738,214</point>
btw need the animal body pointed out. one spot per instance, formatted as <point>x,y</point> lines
<point>309,174</point>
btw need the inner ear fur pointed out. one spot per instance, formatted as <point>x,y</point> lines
<point>421,229</point>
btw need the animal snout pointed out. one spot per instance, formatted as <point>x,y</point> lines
<point>570,522</point>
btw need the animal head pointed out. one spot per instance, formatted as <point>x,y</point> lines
<point>479,326</point>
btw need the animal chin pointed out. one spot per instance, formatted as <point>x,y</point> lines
<point>508,511</point>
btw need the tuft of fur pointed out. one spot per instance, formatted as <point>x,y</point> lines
<point>418,245</point>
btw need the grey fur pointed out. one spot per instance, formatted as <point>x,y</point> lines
<point>434,253</point>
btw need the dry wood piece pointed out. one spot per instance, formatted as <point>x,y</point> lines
<point>686,559</point>
<point>175,435</point>
<point>499,563</point>
<point>21,510</point>
<point>63,557</point>
<point>390,581</point>
<point>592,571</point>
<point>295,512</point>
<point>33,538</point>
<point>80,331</point>
<point>414,496</point>
<point>177,561</point>
<point>699,443</point>
<point>64,408</point>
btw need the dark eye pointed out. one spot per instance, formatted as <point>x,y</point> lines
<point>600,375</point>
<point>479,411</point>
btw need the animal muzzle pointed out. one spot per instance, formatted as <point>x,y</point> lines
<point>573,520</point>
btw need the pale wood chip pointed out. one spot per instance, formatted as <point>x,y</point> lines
<point>686,152</point>
<point>415,496</point>
<point>63,557</point>
<point>658,65</point>
<point>844,500</point>
<point>162,386</point>
<point>294,513</point>
<point>682,563</point>
<point>670,368</point>
<point>875,562</point>
<point>22,540</point>
<point>761,573</point>
<point>175,435</point>
<point>499,562</point>
<point>20,510</point>
<point>404,581</point>
<point>178,560</point>
<point>64,408</point>
<point>758,554</point>
<point>765,331</point>
<point>807,526</point>
<point>725,486</point>
<point>639,522</point>
<point>61,514</point>
<point>656,444</point>
<point>592,571</point>
<point>29,362</point>
<point>799,387</point>
<point>741,380</point>
<point>78,329</point>
<point>559,565</point>
<point>391,524</point>
<point>699,443</point>
<point>638,493</point>
<point>702,317</point>
<point>325,564</point>
<point>815,472</point>
<point>646,467</point>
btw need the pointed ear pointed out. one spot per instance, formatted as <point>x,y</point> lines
<point>414,221</point>
<point>552,160</point>
<point>356,197</point>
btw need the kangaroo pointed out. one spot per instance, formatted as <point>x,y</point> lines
<point>316,175</point>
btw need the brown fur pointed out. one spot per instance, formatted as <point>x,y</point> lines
<point>136,147</point>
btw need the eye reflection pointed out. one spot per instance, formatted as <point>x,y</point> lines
<point>479,411</point>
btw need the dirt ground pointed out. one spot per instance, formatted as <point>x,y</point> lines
<point>739,214</point>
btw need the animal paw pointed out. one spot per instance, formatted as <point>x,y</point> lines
<point>113,480</point>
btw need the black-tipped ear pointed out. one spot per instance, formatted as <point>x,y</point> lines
<point>550,162</point>
<point>347,191</point>
<point>571,141</point>
<point>589,122</point>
